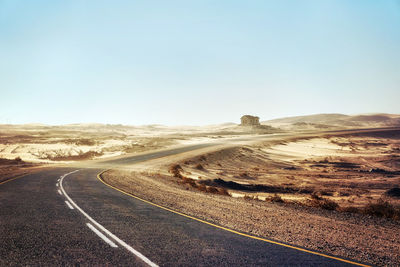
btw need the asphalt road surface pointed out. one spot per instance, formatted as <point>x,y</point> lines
<point>66,217</point>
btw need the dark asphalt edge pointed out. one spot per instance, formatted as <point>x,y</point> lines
<point>12,178</point>
<point>279,243</point>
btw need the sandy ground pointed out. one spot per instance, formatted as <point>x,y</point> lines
<point>278,189</point>
<point>351,170</point>
<point>70,143</point>
<point>367,239</point>
<point>73,142</point>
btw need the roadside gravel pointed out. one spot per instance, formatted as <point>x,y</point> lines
<point>363,238</point>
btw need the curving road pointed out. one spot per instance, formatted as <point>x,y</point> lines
<point>67,217</point>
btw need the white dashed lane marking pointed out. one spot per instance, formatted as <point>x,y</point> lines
<point>69,205</point>
<point>106,239</point>
<point>104,230</point>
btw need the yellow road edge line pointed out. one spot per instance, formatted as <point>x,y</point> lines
<point>227,229</point>
<point>17,177</point>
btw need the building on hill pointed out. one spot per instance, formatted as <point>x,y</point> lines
<point>248,120</point>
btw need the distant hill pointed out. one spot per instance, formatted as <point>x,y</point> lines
<point>317,118</point>
<point>320,121</point>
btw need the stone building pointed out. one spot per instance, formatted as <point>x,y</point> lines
<point>248,120</point>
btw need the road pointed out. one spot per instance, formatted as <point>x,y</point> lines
<point>65,216</point>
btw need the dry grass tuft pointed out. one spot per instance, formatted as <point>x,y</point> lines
<point>382,208</point>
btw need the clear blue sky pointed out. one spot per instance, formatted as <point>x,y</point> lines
<point>196,62</point>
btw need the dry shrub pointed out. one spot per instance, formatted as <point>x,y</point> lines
<point>382,208</point>
<point>344,194</point>
<point>349,209</point>
<point>176,170</point>
<point>199,167</point>
<point>323,203</point>
<point>189,181</point>
<point>305,190</point>
<point>328,204</point>
<point>393,192</point>
<point>222,191</point>
<point>315,196</point>
<point>326,193</point>
<point>275,198</point>
<point>203,158</point>
<point>247,197</point>
<point>244,175</point>
<point>211,189</point>
<point>202,187</point>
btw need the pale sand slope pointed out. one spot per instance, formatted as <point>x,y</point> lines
<point>303,149</point>
<point>352,171</point>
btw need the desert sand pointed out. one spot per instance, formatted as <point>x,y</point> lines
<point>320,192</point>
<point>312,181</point>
